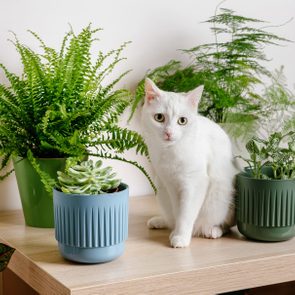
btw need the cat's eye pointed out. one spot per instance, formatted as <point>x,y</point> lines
<point>182,121</point>
<point>159,117</point>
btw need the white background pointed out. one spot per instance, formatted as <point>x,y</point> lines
<point>157,28</point>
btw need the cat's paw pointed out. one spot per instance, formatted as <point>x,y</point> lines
<point>156,222</point>
<point>213,232</point>
<point>179,241</point>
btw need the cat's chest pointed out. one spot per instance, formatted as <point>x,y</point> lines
<point>175,159</point>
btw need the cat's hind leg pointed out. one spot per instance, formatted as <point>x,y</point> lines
<point>212,232</point>
<point>218,211</point>
<point>157,222</point>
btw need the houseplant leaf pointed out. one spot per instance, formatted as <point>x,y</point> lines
<point>5,255</point>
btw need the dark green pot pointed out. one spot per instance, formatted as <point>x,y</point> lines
<point>37,203</point>
<point>265,208</point>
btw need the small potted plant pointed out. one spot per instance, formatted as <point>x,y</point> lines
<point>61,107</point>
<point>266,189</point>
<point>91,213</point>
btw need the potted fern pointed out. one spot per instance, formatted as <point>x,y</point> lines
<point>61,107</point>
<point>266,189</point>
<point>91,213</point>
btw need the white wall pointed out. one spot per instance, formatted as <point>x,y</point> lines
<point>157,28</point>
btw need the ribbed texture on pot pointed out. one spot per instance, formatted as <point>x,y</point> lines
<point>91,221</point>
<point>262,206</point>
<point>91,227</point>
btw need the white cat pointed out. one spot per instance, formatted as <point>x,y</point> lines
<point>193,161</point>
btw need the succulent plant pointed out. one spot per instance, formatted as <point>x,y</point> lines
<point>88,178</point>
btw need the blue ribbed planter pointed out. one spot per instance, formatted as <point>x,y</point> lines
<point>91,228</point>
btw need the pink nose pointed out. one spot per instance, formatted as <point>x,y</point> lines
<point>167,135</point>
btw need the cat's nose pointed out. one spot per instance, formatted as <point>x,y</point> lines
<point>167,135</point>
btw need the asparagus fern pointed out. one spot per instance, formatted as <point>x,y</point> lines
<point>230,68</point>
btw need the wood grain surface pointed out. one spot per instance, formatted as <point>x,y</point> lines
<point>148,265</point>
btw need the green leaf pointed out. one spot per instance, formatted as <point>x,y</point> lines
<point>5,255</point>
<point>252,147</point>
<point>88,178</point>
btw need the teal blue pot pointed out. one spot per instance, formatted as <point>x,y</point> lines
<point>91,228</point>
<point>265,208</point>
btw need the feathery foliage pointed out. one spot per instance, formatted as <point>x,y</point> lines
<point>229,67</point>
<point>63,105</point>
<point>278,106</point>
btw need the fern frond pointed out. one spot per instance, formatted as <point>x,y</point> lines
<point>240,125</point>
<point>159,76</point>
<point>62,103</point>
<point>2,177</point>
<point>106,155</point>
<point>120,140</point>
<point>230,67</point>
<point>4,162</point>
<point>48,182</point>
<point>17,92</point>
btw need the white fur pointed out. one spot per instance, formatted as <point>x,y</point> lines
<point>194,167</point>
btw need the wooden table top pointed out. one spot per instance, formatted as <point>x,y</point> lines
<point>148,265</point>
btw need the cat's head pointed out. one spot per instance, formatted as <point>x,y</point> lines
<point>169,116</point>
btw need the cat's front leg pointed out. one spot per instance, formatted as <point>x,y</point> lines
<point>166,219</point>
<point>187,207</point>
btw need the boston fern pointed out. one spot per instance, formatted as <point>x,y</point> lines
<point>230,67</point>
<point>63,105</point>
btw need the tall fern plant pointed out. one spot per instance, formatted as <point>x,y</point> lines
<point>230,68</point>
<point>63,106</point>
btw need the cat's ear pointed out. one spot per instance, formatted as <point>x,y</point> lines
<point>195,95</point>
<point>151,90</point>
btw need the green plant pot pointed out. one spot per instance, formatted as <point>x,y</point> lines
<point>37,203</point>
<point>265,208</point>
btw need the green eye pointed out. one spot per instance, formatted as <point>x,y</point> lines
<point>159,117</point>
<point>182,121</point>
